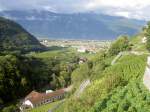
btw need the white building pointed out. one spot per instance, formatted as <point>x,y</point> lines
<point>82,49</point>
<point>148,61</point>
<point>144,40</point>
<point>35,99</point>
<point>49,91</point>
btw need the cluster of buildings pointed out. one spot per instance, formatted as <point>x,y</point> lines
<point>89,49</point>
<point>36,99</point>
<point>144,40</point>
<point>82,60</point>
<point>91,46</point>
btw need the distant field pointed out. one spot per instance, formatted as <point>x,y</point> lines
<point>45,108</point>
<point>60,52</point>
<point>50,53</point>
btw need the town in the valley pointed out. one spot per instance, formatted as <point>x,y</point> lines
<point>83,46</point>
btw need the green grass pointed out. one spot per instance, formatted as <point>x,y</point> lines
<point>61,52</point>
<point>51,53</point>
<point>44,108</point>
<point>137,43</point>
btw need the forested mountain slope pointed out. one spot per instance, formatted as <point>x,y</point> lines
<point>15,37</point>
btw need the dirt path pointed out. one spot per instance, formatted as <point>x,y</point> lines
<point>116,58</point>
<point>82,87</point>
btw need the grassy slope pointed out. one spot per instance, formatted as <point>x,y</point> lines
<point>63,54</point>
<point>137,43</point>
<point>45,108</point>
<point>118,88</point>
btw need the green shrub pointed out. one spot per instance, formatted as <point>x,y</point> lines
<point>121,44</point>
<point>11,108</point>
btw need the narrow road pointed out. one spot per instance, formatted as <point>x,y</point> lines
<point>116,58</point>
<point>82,87</point>
<point>78,92</point>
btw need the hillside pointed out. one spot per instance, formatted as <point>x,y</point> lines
<point>15,37</point>
<point>41,71</point>
<point>116,87</point>
<point>119,88</point>
<point>74,26</point>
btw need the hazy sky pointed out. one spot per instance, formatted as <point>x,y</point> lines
<point>138,9</point>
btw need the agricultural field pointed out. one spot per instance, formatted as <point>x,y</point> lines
<point>59,52</point>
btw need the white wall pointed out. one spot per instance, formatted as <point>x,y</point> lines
<point>28,103</point>
<point>148,60</point>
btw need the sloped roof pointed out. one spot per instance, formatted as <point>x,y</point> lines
<point>36,97</point>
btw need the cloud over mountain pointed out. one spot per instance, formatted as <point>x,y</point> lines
<point>131,9</point>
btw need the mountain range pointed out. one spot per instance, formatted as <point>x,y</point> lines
<point>74,26</point>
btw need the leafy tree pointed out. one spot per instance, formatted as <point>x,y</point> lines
<point>121,44</point>
<point>14,37</point>
<point>11,108</point>
<point>81,73</point>
<point>146,31</point>
<point>54,83</point>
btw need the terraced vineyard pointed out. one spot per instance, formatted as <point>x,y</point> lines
<point>119,89</point>
<point>128,67</point>
<point>133,96</point>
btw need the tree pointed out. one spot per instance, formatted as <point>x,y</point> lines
<point>62,81</point>
<point>146,31</point>
<point>54,83</point>
<point>1,101</point>
<point>11,108</point>
<point>121,44</point>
